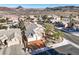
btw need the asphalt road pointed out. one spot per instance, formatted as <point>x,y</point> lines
<point>68,49</point>
<point>12,50</point>
<point>72,38</point>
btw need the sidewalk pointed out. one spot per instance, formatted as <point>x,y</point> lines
<point>65,42</point>
<point>75,33</point>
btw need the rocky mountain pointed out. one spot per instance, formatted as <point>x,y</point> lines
<point>63,8</point>
<point>36,11</point>
<point>6,9</point>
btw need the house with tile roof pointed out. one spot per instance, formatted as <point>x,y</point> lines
<point>34,33</point>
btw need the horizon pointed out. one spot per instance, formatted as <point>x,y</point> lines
<point>36,5</point>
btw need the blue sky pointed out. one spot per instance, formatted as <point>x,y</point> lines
<point>36,5</point>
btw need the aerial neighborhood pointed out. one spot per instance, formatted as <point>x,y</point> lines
<point>40,31</point>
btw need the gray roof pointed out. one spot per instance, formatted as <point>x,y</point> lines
<point>29,28</point>
<point>9,33</point>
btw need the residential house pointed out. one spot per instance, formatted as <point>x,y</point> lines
<point>12,36</point>
<point>55,19</point>
<point>13,18</point>
<point>34,33</point>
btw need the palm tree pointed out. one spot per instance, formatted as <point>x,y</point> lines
<point>71,20</point>
<point>28,18</point>
<point>7,20</point>
<point>1,43</point>
<point>58,36</point>
<point>51,34</point>
<point>24,38</point>
<point>70,16</point>
<point>48,28</point>
<point>61,17</point>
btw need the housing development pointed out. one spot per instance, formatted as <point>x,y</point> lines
<point>39,31</point>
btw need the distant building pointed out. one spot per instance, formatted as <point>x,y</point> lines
<point>55,19</point>
<point>13,18</point>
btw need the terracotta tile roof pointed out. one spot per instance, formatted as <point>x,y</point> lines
<point>37,44</point>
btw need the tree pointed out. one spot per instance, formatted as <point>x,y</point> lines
<point>61,17</point>
<point>2,20</point>
<point>3,27</point>
<point>49,28</point>
<point>24,40</point>
<point>1,43</point>
<point>29,19</point>
<point>58,35</point>
<point>52,34</point>
<point>71,23</point>
<point>70,16</point>
<point>45,18</point>
<point>23,29</point>
<point>7,19</point>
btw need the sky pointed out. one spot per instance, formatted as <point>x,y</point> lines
<point>36,5</point>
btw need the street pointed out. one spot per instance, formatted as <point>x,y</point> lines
<point>70,49</point>
<point>72,38</point>
<point>12,50</point>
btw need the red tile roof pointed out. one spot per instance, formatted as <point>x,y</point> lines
<point>37,44</point>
